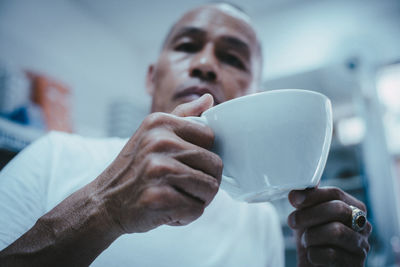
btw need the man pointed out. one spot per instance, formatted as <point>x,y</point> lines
<point>70,201</point>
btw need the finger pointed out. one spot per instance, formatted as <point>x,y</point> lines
<point>200,159</point>
<point>338,235</point>
<point>194,183</point>
<point>320,214</point>
<point>164,170</point>
<point>301,199</point>
<point>195,133</point>
<point>174,208</point>
<point>328,256</point>
<point>162,128</point>
<point>194,108</point>
<point>166,143</point>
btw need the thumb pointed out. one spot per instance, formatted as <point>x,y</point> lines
<point>194,108</point>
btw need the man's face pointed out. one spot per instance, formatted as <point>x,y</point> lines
<point>208,51</point>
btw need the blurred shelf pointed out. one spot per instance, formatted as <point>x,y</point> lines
<point>14,137</point>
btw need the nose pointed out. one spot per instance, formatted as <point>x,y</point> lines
<point>204,65</point>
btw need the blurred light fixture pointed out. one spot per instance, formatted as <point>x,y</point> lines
<point>350,131</point>
<point>388,85</point>
<point>388,88</point>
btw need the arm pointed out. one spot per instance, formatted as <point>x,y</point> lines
<point>164,175</point>
<point>322,224</point>
<point>71,234</point>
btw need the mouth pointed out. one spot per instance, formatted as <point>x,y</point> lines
<point>193,92</point>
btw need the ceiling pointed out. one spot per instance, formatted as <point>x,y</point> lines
<point>307,31</point>
<point>127,17</point>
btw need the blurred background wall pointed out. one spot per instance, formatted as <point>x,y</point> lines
<point>80,66</point>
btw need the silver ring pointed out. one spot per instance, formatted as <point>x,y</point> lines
<point>358,219</point>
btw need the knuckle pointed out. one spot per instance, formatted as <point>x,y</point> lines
<point>157,167</point>
<point>158,198</point>
<point>331,254</point>
<point>154,120</point>
<point>337,193</point>
<point>159,142</point>
<point>153,198</point>
<point>337,230</point>
<point>340,207</point>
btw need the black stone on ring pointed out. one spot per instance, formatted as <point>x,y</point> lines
<point>358,219</point>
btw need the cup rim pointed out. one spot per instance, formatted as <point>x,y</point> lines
<point>275,91</point>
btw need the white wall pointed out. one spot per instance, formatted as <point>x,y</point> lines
<point>59,39</point>
<point>312,34</point>
<point>102,48</point>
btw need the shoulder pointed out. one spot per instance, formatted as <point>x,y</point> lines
<point>69,140</point>
<point>74,145</point>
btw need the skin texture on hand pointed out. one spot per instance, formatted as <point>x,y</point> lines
<point>322,225</point>
<point>165,174</point>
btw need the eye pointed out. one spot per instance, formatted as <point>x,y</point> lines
<point>187,47</point>
<point>232,60</point>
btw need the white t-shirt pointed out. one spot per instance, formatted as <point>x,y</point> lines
<point>229,233</point>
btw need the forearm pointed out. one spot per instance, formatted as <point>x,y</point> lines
<point>74,233</point>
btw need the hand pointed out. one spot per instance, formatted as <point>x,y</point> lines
<point>322,224</point>
<point>165,174</point>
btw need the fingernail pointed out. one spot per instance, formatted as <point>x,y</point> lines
<point>292,221</point>
<point>303,240</point>
<point>205,96</point>
<point>297,198</point>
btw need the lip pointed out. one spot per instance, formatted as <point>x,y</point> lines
<point>197,90</point>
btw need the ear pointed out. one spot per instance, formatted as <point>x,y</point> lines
<point>150,80</point>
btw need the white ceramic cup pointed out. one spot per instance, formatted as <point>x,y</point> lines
<point>271,142</point>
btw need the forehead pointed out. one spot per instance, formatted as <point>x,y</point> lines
<point>218,21</point>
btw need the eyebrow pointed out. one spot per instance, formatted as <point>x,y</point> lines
<point>231,41</point>
<point>188,31</point>
<point>237,44</point>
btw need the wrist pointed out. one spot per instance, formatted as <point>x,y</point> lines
<point>82,217</point>
<point>102,220</point>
